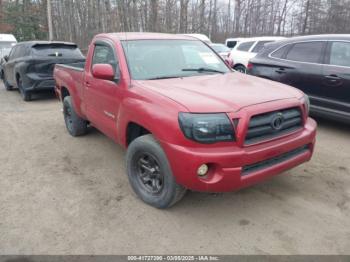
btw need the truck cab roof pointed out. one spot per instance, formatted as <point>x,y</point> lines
<point>144,36</point>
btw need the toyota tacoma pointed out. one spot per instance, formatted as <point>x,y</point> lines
<point>186,119</point>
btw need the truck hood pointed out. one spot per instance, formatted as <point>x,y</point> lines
<point>220,93</point>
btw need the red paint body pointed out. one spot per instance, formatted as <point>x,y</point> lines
<point>155,105</point>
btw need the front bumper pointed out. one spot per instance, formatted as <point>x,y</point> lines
<point>228,165</point>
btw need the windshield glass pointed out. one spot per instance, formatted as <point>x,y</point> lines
<point>5,48</point>
<point>221,48</point>
<point>154,59</point>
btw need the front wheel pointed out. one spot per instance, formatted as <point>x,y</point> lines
<point>150,174</point>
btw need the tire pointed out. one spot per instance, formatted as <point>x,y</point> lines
<point>241,69</point>
<point>75,125</point>
<point>26,95</point>
<point>8,87</point>
<point>146,162</point>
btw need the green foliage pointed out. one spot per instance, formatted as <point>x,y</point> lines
<point>27,20</point>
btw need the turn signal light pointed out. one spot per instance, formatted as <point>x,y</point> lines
<point>250,66</point>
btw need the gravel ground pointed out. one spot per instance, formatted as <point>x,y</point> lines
<point>64,195</point>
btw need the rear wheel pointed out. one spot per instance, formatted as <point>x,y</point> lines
<point>241,69</point>
<point>76,126</point>
<point>150,174</point>
<point>26,95</point>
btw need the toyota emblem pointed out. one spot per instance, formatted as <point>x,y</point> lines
<point>277,121</point>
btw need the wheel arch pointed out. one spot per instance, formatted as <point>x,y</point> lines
<point>64,92</point>
<point>134,130</point>
<point>239,64</point>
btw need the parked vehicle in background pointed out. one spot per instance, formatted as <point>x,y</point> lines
<point>221,49</point>
<point>317,65</point>
<point>187,120</point>
<point>232,42</point>
<point>201,37</point>
<point>224,52</point>
<point>247,49</point>
<point>7,41</point>
<point>29,66</point>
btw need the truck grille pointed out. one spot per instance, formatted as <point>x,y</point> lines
<point>273,161</point>
<point>273,124</point>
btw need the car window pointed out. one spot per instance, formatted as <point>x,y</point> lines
<point>231,44</point>
<point>14,53</point>
<point>21,51</point>
<point>103,54</point>
<point>306,52</point>
<point>259,46</point>
<point>57,50</point>
<point>245,46</point>
<point>279,53</point>
<point>340,54</point>
<point>28,51</point>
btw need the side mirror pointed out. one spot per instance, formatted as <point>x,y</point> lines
<point>229,62</point>
<point>6,58</point>
<point>103,71</point>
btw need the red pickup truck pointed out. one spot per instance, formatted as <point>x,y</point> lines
<point>186,119</point>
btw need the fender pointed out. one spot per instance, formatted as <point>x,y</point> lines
<point>155,117</point>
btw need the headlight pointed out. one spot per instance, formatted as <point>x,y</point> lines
<point>206,128</point>
<point>307,104</point>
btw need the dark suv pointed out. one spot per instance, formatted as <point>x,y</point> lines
<point>29,66</point>
<point>318,65</point>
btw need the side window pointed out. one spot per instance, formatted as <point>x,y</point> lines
<point>279,53</point>
<point>340,54</point>
<point>231,44</point>
<point>306,52</point>
<point>259,46</point>
<point>28,51</point>
<point>103,54</point>
<point>21,51</point>
<point>245,46</point>
<point>13,53</point>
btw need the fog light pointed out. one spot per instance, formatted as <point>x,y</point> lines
<point>202,170</point>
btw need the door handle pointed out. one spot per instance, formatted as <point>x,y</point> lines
<point>281,70</point>
<point>333,78</point>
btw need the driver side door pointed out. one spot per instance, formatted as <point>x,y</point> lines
<point>103,97</point>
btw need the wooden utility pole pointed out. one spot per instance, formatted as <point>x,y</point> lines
<point>49,19</point>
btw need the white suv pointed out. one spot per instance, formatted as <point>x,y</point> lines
<point>247,49</point>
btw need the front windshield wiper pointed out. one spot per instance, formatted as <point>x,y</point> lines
<point>203,69</point>
<point>163,77</point>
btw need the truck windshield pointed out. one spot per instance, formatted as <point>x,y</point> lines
<point>158,59</point>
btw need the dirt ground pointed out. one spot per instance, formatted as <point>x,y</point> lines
<point>64,195</point>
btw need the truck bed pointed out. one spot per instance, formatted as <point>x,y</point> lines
<point>69,76</point>
<point>74,66</point>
